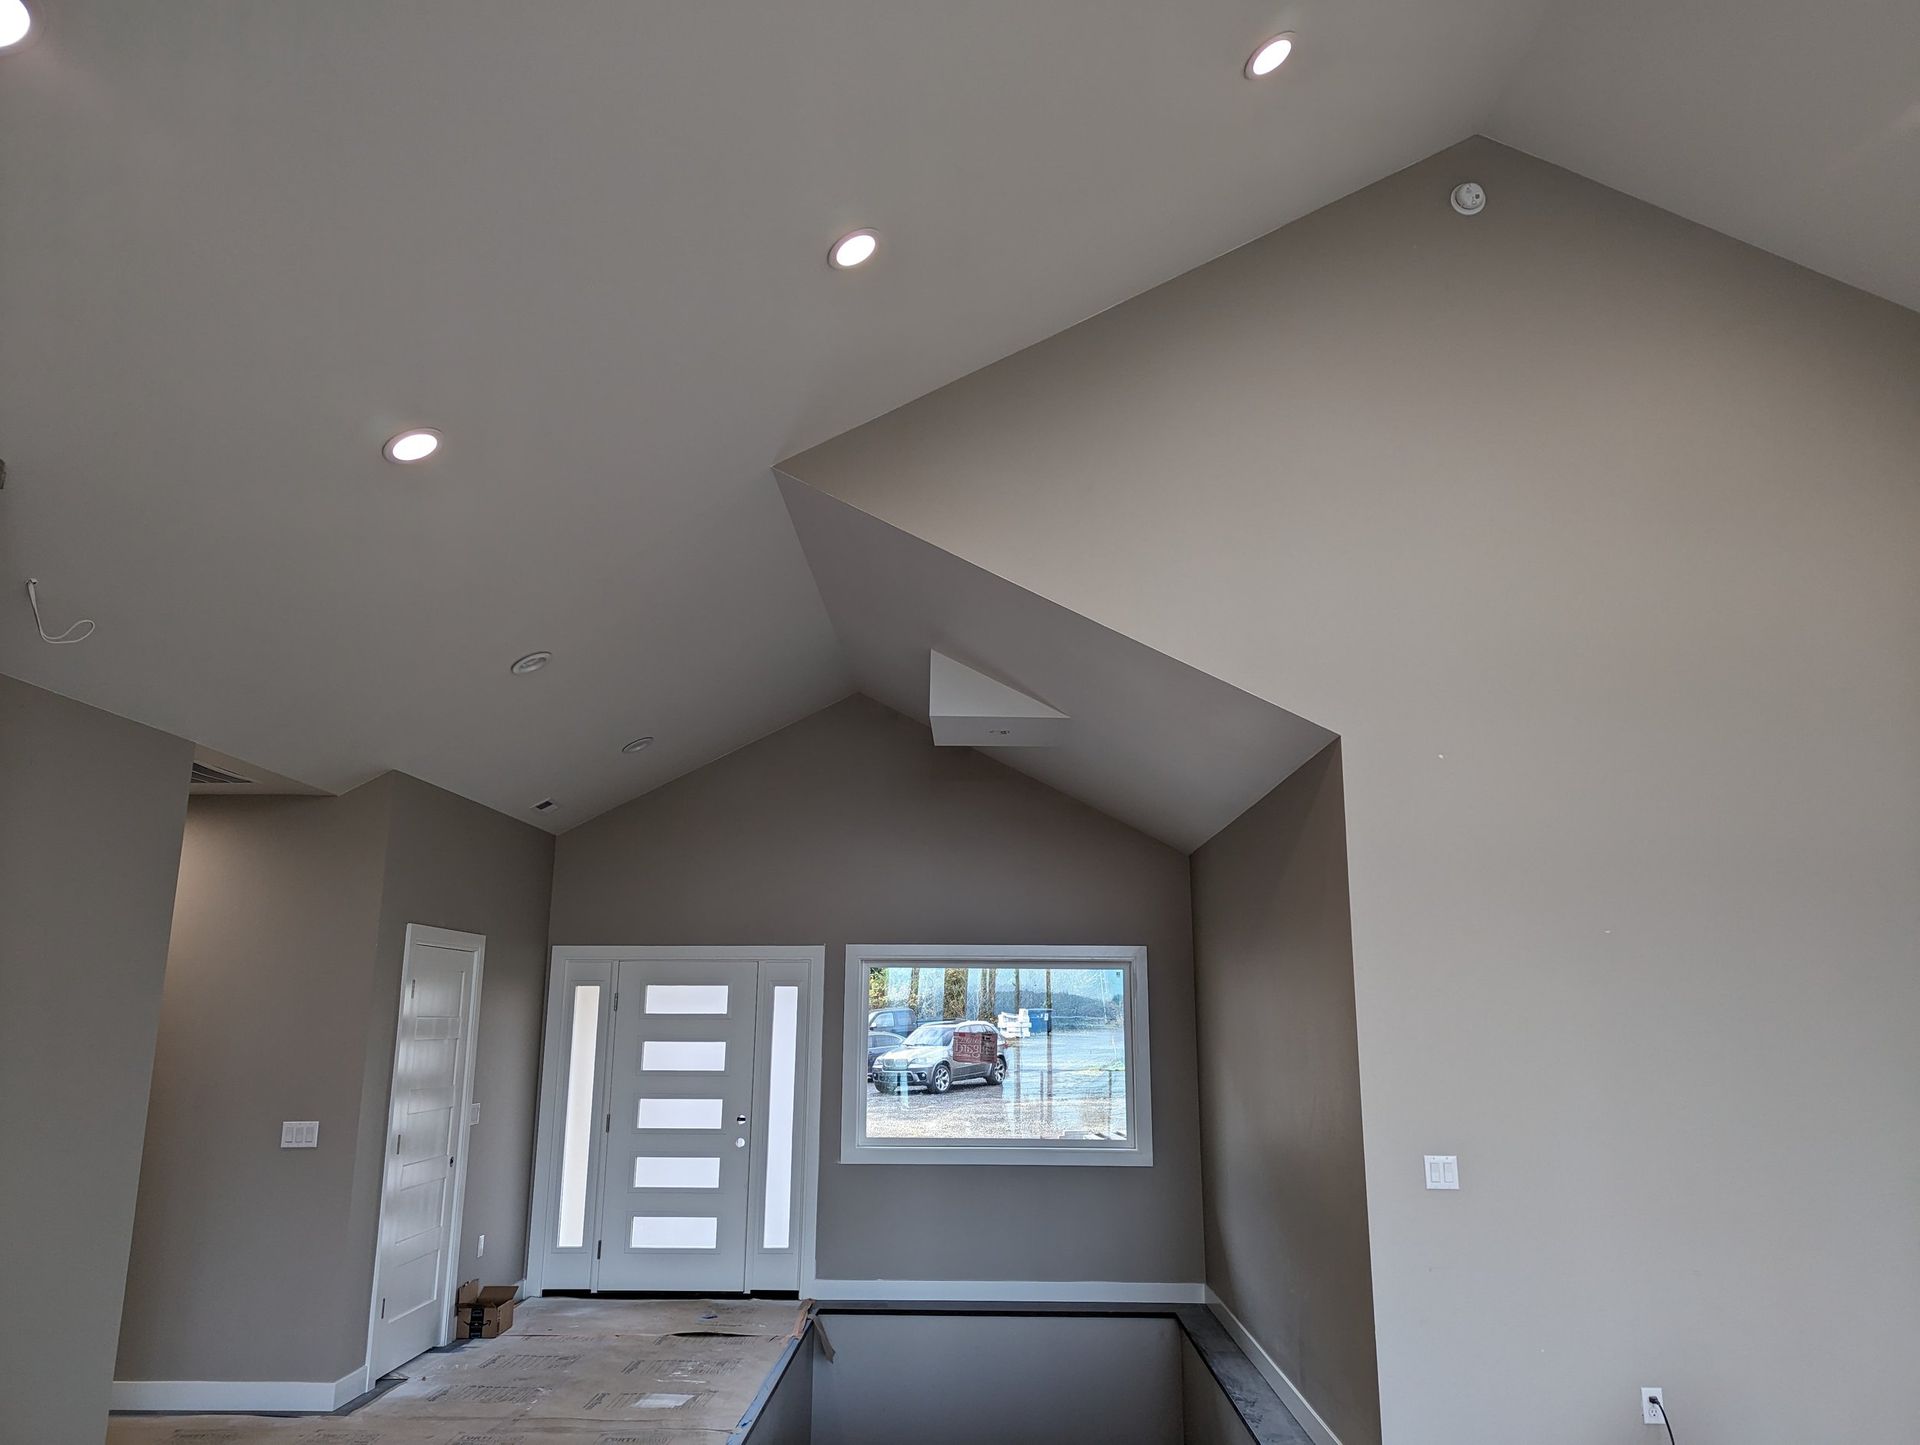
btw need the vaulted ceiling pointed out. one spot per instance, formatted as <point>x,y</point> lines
<point>242,244</point>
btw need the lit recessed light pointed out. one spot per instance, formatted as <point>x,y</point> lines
<point>409,446</point>
<point>1270,56</point>
<point>532,662</point>
<point>856,248</point>
<point>15,21</point>
<point>638,745</point>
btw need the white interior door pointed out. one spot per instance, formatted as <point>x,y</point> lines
<point>418,1252</point>
<point>680,1095</point>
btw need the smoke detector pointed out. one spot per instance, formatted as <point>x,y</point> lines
<point>1469,199</point>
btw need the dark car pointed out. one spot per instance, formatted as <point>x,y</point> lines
<point>878,1044</point>
<point>896,1019</point>
<point>935,1057</point>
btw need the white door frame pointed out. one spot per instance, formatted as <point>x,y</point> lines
<point>476,944</point>
<point>553,1065</point>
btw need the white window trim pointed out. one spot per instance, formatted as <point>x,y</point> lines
<point>856,1148</point>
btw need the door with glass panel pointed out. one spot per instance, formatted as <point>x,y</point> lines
<point>673,1213</point>
<point>672,1122</point>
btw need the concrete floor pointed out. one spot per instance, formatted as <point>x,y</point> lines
<point>569,1372</point>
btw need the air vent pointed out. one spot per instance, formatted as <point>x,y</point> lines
<point>204,774</point>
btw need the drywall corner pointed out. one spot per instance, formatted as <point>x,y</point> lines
<point>1284,1173</point>
<point>91,812</point>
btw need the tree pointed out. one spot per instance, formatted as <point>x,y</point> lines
<point>876,988</point>
<point>913,993</point>
<point>954,1000</point>
<point>989,993</point>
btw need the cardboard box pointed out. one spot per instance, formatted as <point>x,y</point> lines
<point>485,1311</point>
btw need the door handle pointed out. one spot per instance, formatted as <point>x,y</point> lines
<point>739,1118</point>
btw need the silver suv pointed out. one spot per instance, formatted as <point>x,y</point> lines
<point>935,1057</point>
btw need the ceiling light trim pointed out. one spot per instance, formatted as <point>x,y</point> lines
<point>1270,54</point>
<point>854,249</point>
<point>403,448</point>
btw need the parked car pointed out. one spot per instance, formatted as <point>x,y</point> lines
<point>935,1057</point>
<point>878,1044</point>
<point>897,1020</point>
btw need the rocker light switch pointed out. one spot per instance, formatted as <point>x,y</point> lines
<point>1443,1171</point>
<point>300,1134</point>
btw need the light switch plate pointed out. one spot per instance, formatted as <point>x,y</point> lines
<point>299,1133</point>
<point>1443,1171</point>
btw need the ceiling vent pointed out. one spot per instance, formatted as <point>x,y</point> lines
<point>968,709</point>
<point>204,774</point>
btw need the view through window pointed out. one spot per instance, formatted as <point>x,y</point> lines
<point>1011,1051</point>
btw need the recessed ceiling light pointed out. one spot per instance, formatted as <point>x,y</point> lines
<point>638,745</point>
<point>532,662</point>
<point>15,21</point>
<point>409,446</point>
<point>855,248</point>
<point>1270,56</point>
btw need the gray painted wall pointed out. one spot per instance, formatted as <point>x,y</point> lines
<point>457,864</point>
<point>240,1268</point>
<point>1009,1379</point>
<point>91,808</point>
<point>1593,534</point>
<point>282,986</point>
<point>1283,1170</point>
<point>850,827</point>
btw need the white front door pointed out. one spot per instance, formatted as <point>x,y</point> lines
<point>677,1128</point>
<point>418,1251</point>
<point>680,1095</point>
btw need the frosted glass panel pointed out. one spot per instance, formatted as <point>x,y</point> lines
<point>679,1114</point>
<point>656,1171</point>
<point>576,1140</point>
<point>686,998</point>
<point>674,1231</point>
<point>780,1087</point>
<point>684,1056</point>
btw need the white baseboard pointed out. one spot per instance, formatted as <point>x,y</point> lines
<point>215,1397</point>
<point>1009,1291</point>
<point>1288,1392</point>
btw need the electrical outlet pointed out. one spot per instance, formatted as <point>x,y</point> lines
<point>1650,1397</point>
<point>482,1249</point>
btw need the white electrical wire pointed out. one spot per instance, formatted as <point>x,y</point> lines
<point>33,601</point>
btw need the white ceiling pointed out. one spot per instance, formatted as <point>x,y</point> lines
<point>1157,744</point>
<point>240,244</point>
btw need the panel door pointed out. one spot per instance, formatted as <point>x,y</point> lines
<point>426,1136</point>
<point>679,1133</point>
